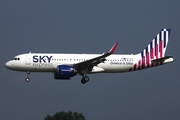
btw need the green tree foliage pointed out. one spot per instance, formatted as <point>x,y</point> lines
<point>65,116</point>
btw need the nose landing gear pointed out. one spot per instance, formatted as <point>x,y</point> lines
<point>28,77</point>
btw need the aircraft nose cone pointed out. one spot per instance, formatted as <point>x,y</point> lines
<point>8,65</point>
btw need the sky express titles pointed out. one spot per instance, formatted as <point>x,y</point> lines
<point>39,61</point>
<point>45,61</point>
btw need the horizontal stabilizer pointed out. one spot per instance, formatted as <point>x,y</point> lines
<point>162,59</point>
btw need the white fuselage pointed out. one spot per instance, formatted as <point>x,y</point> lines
<point>46,62</point>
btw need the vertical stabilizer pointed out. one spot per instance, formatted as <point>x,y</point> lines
<point>157,48</point>
<point>154,51</point>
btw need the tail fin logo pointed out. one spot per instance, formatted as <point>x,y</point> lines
<point>155,50</point>
<point>157,47</point>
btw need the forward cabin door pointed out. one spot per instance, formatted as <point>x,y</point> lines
<point>28,59</point>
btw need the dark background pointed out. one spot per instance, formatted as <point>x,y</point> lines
<point>89,27</point>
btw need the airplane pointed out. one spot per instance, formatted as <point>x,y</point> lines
<point>66,66</point>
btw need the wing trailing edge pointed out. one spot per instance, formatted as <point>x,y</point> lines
<point>89,64</point>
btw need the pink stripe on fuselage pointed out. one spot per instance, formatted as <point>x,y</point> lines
<point>134,66</point>
<point>147,59</point>
<point>139,64</point>
<point>143,62</point>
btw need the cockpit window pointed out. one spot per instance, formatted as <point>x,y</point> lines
<point>16,59</point>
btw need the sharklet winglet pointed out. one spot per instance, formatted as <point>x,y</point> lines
<point>113,48</point>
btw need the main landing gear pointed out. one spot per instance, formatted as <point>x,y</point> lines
<point>84,79</point>
<point>28,77</point>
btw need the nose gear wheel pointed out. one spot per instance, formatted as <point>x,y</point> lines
<point>28,77</point>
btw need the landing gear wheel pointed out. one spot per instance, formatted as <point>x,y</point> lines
<point>27,79</point>
<point>86,78</point>
<point>83,81</point>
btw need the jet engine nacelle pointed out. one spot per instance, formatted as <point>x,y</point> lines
<point>64,72</point>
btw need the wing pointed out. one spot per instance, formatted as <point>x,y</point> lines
<point>89,64</point>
